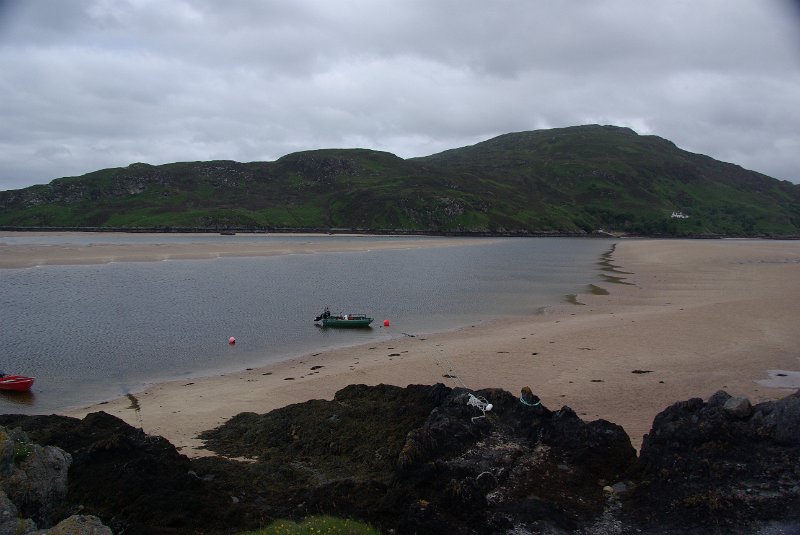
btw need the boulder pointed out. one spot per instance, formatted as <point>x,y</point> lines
<point>135,483</point>
<point>10,523</point>
<point>80,525</point>
<point>721,463</point>
<point>33,477</point>
<point>719,398</point>
<point>779,420</point>
<point>738,407</point>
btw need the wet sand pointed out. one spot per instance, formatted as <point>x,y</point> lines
<point>674,319</point>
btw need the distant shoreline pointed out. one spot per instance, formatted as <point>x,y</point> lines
<point>309,230</point>
<point>388,232</point>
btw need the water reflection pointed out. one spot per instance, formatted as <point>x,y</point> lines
<point>18,398</point>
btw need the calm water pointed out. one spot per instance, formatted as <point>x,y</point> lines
<point>90,333</point>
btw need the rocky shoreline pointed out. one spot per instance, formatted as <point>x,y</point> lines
<point>419,459</point>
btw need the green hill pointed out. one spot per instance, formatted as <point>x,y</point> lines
<point>573,180</point>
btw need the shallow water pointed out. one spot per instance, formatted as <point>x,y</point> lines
<point>781,379</point>
<point>93,332</point>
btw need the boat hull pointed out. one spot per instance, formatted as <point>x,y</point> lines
<point>16,383</point>
<point>346,323</point>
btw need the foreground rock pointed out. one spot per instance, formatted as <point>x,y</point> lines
<point>522,468</point>
<point>422,460</point>
<point>723,464</point>
<point>430,459</point>
<point>33,477</point>
<point>33,485</point>
<point>136,484</point>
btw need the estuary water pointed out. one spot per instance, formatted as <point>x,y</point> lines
<point>89,333</point>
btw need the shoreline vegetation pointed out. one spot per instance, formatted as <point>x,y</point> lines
<point>232,230</point>
<point>302,230</point>
<point>673,319</point>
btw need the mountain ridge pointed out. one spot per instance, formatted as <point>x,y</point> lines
<point>574,180</point>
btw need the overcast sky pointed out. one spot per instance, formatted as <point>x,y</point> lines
<point>90,84</point>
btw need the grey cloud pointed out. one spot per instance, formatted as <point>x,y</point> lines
<point>98,83</point>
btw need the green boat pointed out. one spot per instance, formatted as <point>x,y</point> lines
<point>343,320</point>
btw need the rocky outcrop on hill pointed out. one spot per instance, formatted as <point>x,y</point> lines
<point>431,459</point>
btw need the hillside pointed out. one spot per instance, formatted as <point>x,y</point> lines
<point>574,180</point>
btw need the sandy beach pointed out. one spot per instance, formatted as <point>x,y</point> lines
<point>675,319</point>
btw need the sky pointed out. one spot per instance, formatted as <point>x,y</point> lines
<point>92,84</point>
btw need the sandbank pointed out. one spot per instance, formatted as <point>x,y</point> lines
<point>674,319</point>
<point>200,247</point>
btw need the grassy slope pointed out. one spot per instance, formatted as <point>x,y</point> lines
<point>612,177</point>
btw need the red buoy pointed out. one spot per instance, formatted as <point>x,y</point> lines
<point>231,340</point>
<point>385,323</point>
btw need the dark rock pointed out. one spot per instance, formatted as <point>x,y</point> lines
<point>704,464</point>
<point>738,407</point>
<point>781,420</point>
<point>720,397</point>
<point>33,477</point>
<point>487,481</point>
<point>80,525</point>
<point>603,447</point>
<point>422,459</point>
<point>620,488</point>
<point>134,482</point>
<point>10,523</point>
<point>428,459</point>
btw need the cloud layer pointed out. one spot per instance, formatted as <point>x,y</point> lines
<point>89,84</point>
